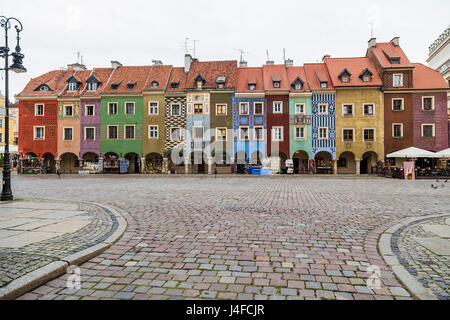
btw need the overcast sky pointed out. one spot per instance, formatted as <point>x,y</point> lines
<point>135,32</point>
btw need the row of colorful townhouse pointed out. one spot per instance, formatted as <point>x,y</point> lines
<point>338,116</point>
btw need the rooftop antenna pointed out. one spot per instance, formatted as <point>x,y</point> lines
<point>242,54</point>
<point>284,54</point>
<point>267,52</point>
<point>194,45</point>
<point>371,30</point>
<point>185,45</point>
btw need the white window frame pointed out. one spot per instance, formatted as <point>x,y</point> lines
<point>305,133</point>
<point>125,108</point>
<point>69,87</point>
<point>304,108</point>
<point>248,133</point>
<point>254,108</point>
<point>326,109</point>
<point>117,131</point>
<point>327,133</point>
<point>1,136</point>
<point>354,135</point>
<point>1,123</point>
<point>401,129</point>
<point>117,108</point>
<point>194,136</point>
<point>86,109</point>
<point>152,107</point>
<point>85,135</point>
<point>432,103</point>
<point>374,109</point>
<point>403,104</point>
<point>64,133</point>
<point>434,130</point>
<point>157,131</point>
<point>171,108</point>
<point>34,133</point>
<point>353,110</point>
<point>374,135</point>
<point>203,108</point>
<point>282,134</point>
<point>217,134</point>
<point>401,80</point>
<point>254,133</point>
<point>125,131</point>
<point>170,132</point>
<point>226,109</point>
<point>248,108</point>
<point>64,110</point>
<point>281,107</point>
<point>90,84</point>
<point>36,108</point>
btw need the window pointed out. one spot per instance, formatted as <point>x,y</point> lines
<point>89,110</point>
<point>428,131</point>
<point>278,107</point>
<point>153,108</point>
<point>38,109</point>
<point>258,133</point>
<point>397,130</point>
<point>368,109</point>
<point>276,84</point>
<point>347,134</point>
<point>129,107</point>
<point>323,133</point>
<point>300,132</point>
<point>347,110</point>
<point>369,135</point>
<point>1,136</point>
<point>39,133</point>
<point>175,109</point>
<point>342,163</point>
<point>198,108</point>
<point>221,109</point>
<point>1,123</point>
<point>252,87</point>
<point>428,103</point>
<point>197,133</point>
<point>277,133</point>
<point>199,84</point>
<point>366,78</point>
<point>68,111</point>
<point>92,86</point>
<point>129,132</point>
<point>323,85</point>
<point>298,86</point>
<point>44,88</point>
<point>221,134</point>
<point>175,134</point>
<point>72,87</point>
<point>243,133</point>
<point>259,108</point>
<point>397,104</point>
<point>300,108</point>
<point>323,109</point>
<point>112,108</point>
<point>68,133</point>
<point>153,132</point>
<point>243,108</point>
<point>345,79</point>
<point>155,84</point>
<point>89,133</point>
<point>397,80</point>
<point>112,132</point>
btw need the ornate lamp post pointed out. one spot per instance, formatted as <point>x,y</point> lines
<point>17,66</point>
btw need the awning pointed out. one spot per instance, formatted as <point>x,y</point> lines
<point>412,152</point>
<point>12,148</point>
<point>444,153</point>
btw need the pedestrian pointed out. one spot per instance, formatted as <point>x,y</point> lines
<point>215,173</point>
<point>58,172</point>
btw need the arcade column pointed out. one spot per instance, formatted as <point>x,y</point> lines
<point>358,166</point>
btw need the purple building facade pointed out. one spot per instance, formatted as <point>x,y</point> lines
<point>90,118</point>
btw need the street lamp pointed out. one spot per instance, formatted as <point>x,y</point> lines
<point>17,66</point>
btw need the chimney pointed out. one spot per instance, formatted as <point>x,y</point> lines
<point>187,62</point>
<point>76,67</point>
<point>243,64</point>
<point>115,64</point>
<point>327,56</point>
<point>270,62</point>
<point>372,43</point>
<point>157,62</point>
<point>396,41</point>
<point>289,63</point>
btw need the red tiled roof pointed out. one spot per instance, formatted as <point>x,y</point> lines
<point>427,78</point>
<point>56,80</point>
<point>81,76</point>
<point>128,74</point>
<point>102,75</point>
<point>210,70</point>
<point>246,76</point>
<point>383,50</point>
<point>355,66</point>
<point>297,72</point>
<point>160,74</point>
<point>177,75</point>
<point>317,72</point>
<point>279,71</point>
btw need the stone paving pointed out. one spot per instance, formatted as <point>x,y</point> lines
<point>424,250</point>
<point>36,233</point>
<point>239,237</point>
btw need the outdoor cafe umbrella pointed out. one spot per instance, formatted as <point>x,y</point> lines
<point>413,152</point>
<point>444,153</point>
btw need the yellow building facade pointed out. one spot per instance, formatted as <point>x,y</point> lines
<point>2,124</point>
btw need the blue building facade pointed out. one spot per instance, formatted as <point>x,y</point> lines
<point>324,120</point>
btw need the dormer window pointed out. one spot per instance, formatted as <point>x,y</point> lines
<point>92,83</point>
<point>115,85</point>
<point>395,60</point>
<point>251,84</point>
<point>344,76</point>
<point>72,87</point>
<point>276,81</point>
<point>366,78</point>
<point>366,75</point>
<point>155,84</point>
<point>131,85</point>
<point>298,84</point>
<point>221,82</point>
<point>199,81</point>
<point>252,87</point>
<point>92,86</point>
<point>43,87</point>
<point>174,85</point>
<point>276,84</point>
<point>323,85</point>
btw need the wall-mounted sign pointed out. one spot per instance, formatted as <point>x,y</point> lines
<point>306,120</point>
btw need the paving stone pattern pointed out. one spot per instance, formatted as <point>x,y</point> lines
<point>240,237</point>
